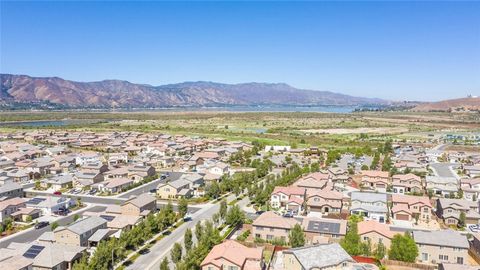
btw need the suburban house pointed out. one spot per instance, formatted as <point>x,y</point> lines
<point>174,189</point>
<point>281,195</point>
<point>370,205</point>
<point>470,188</point>
<point>269,226</point>
<point>375,232</point>
<point>11,190</point>
<point>10,206</point>
<point>407,207</point>
<point>433,247</point>
<point>323,230</point>
<point>115,185</point>
<point>40,255</point>
<point>324,201</point>
<point>84,179</point>
<point>442,186</point>
<point>59,182</point>
<point>327,256</point>
<point>139,206</point>
<point>449,210</point>
<point>406,183</point>
<point>375,180</point>
<point>472,171</point>
<point>233,255</point>
<point>80,231</point>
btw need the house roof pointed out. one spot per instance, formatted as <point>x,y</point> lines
<point>9,202</point>
<point>369,197</point>
<point>410,200</point>
<point>232,251</point>
<point>437,238</point>
<point>141,200</point>
<point>320,256</point>
<point>270,219</point>
<point>84,225</point>
<point>374,226</point>
<point>289,190</point>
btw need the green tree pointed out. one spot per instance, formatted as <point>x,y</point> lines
<point>403,248</point>
<point>213,190</point>
<point>182,207</point>
<point>223,209</point>
<point>366,247</point>
<point>235,216</point>
<point>54,225</point>
<point>82,264</point>
<point>176,253</point>
<point>351,241</point>
<point>297,237</point>
<point>462,219</point>
<point>380,251</point>
<point>187,240</point>
<point>164,264</point>
<point>198,231</point>
<point>76,217</point>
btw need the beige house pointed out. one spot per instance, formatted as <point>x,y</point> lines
<point>78,233</point>
<point>445,246</point>
<point>270,226</point>
<point>326,256</point>
<point>233,255</point>
<point>174,189</point>
<point>375,232</point>
<point>139,206</point>
<point>406,207</point>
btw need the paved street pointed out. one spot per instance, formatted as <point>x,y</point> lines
<point>444,169</point>
<point>32,234</point>
<point>162,248</point>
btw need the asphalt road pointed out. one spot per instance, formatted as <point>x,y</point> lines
<point>444,169</point>
<point>162,248</point>
<point>32,234</point>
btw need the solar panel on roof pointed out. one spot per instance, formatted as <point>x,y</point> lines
<point>322,226</point>
<point>33,251</point>
<point>36,200</point>
<point>107,218</point>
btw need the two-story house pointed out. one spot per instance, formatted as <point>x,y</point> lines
<point>369,205</point>
<point>449,210</point>
<point>411,208</point>
<point>445,246</point>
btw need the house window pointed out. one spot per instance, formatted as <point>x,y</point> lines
<point>269,237</point>
<point>460,260</point>
<point>232,267</point>
<point>443,257</point>
<point>424,256</point>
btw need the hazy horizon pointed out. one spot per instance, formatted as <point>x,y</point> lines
<point>423,51</point>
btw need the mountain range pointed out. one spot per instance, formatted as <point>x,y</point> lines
<point>25,89</point>
<point>452,105</point>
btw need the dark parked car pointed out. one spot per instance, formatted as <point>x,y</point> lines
<point>41,224</point>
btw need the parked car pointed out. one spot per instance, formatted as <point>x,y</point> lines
<point>57,193</point>
<point>41,224</point>
<point>187,217</point>
<point>92,191</point>
<point>474,228</point>
<point>288,214</point>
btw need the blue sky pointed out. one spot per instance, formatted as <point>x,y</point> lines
<point>393,50</point>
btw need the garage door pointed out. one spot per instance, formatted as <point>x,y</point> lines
<point>316,209</point>
<point>402,217</point>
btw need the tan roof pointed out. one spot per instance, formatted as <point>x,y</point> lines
<point>369,173</point>
<point>411,200</point>
<point>141,200</point>
<point>374,226</point>
<point>9,202</point>
<point>289,190</point>
<point>270,219</point>
<point>401,208</point>
<point>234,252</point>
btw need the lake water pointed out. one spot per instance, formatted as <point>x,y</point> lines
<point>263,108</point>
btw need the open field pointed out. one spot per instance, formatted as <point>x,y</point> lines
<point>299,128</point>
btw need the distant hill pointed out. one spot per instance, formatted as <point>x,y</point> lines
<point>460,104</point>
<point>123,94</point>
